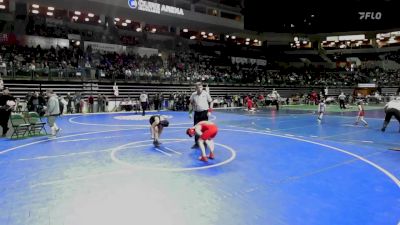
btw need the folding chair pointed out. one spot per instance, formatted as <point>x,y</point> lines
<point>37,125</point>
<point>20,125</point>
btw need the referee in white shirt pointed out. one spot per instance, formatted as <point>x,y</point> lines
<point>342,98</point>
<point>201,103</point>
<point>392,109</point>
<point>144,101</point>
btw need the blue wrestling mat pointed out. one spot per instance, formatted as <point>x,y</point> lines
<point>275,168</point>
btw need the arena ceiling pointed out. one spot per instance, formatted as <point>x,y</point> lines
<point>312,16</point>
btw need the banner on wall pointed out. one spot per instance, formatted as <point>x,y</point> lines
<point>103,47</point>
<point>75,37</point>
<point>44,42</point>
<point>363,85</point>
<point>142,51</point>
<point>241,60</point>
<point>8,39</point>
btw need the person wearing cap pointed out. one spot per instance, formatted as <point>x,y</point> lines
<point>391,109</point>
<point>206,131</point>
<point>202,105</point>
<point>157,124</point>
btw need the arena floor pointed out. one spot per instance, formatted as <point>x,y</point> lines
<point>278,168</point>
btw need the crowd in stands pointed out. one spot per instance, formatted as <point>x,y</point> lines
<point>395,56</point>
<point>180,66</point>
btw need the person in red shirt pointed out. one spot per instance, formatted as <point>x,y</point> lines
<point>249,104</point>
<point>245,99</point>
<point>206,131</point>
<point>314,97</point>
<point>91,102</point>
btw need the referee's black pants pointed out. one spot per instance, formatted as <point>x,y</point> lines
<point>389,114</point>
<point>342,105</point>
<point>4,117</point>
<point>276,103</point>
<point>144,107</point>
<point>198,117</point>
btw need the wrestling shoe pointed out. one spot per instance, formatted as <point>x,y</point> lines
<point>211,156</point>
<point>203,158</point>
<point>156,144</point>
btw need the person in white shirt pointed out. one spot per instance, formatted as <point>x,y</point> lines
<point>342,98</point>
<point>377,98</point>
<point>128,73</point>
<point>275,98</point>
<point>3,68</point>
<point>202,105</point>
<point>391,109</point>
<point>321,110</point>
<point>52,111</point>
<point>144,100</point>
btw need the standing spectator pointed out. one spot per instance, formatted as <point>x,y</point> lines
<point>128,74</point>
<point>69,103</point>
<point>36,104</point>
<point>106,101</point>
<point>391,109</point>
<point>91,102</point>
<point>53,111</point>
<point>326,92</point>
<point>33,102</point>
<point>100,103</point>
<point>350,99</point>
<point>162,103</point>
<point>157,102</point>
<point>313,97</point>
<point>378,97</point>
<point>32,69</point>
<point>201,104</point>
<point>62,103</point>
<point>5,110</point>
<point>77,100</point>
<point>3,68</point>
<point>144,101</point>
<point>342,98</point>
<point>81,105</point>
<point>228,100</point>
